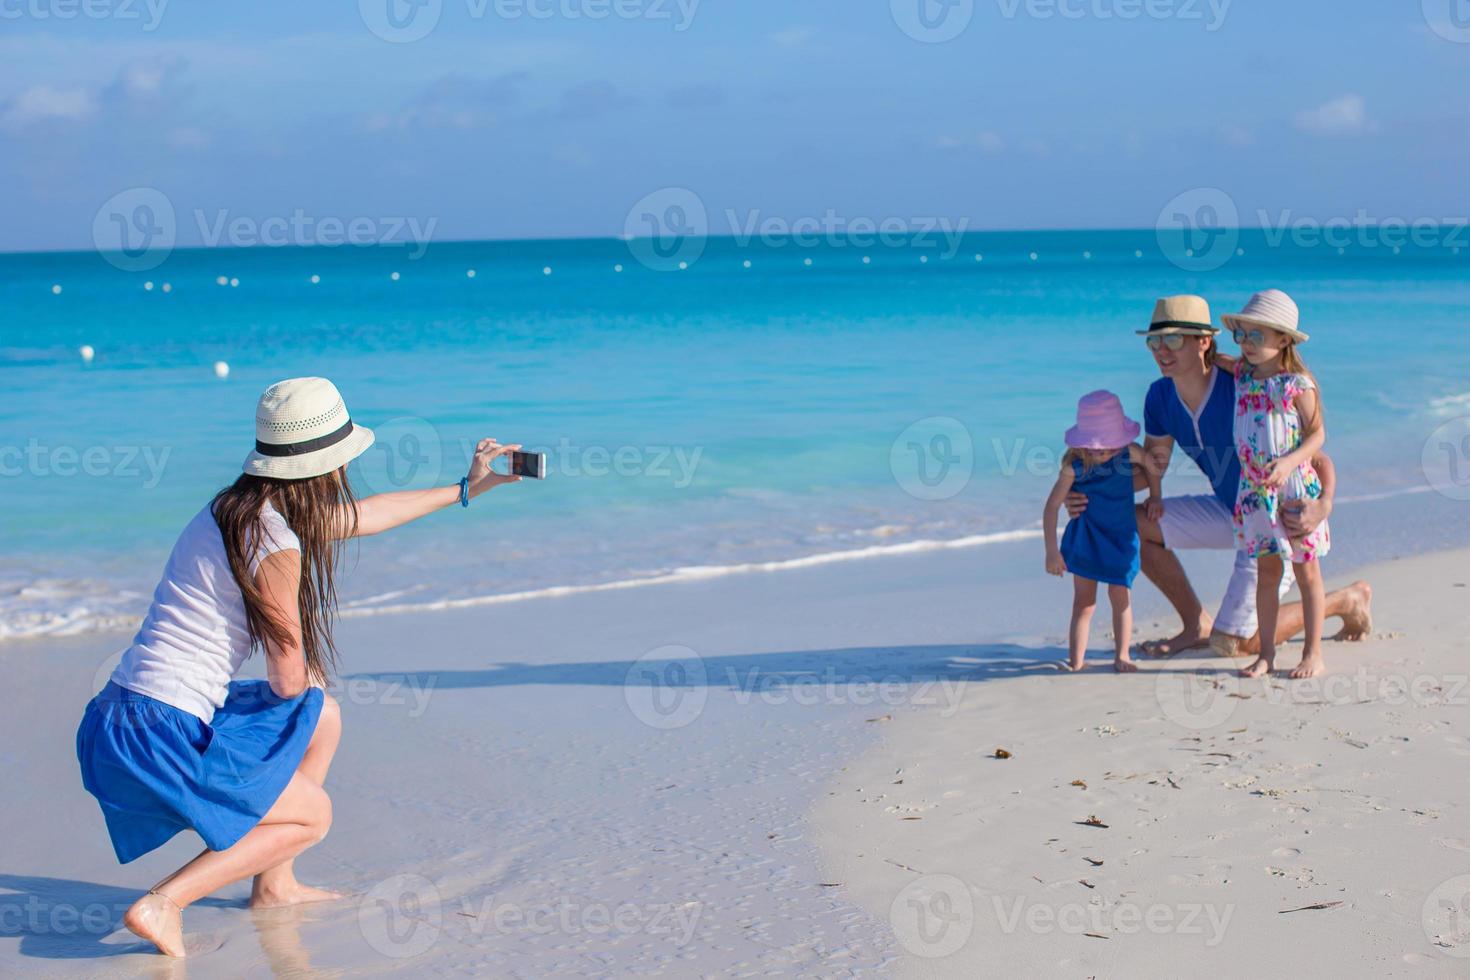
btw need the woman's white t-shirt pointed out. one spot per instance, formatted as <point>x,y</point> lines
<point>195,636</point>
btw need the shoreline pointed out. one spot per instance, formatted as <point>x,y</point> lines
<point>1227,804</point>
<point>86,622</point>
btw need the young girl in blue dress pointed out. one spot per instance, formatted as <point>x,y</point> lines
<point>1101,543</point>
<point>174,742</point>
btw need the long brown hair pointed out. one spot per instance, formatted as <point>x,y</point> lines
<point>315,510</point>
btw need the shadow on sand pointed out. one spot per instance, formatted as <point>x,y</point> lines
<point>675,666</point>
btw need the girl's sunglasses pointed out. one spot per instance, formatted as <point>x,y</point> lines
<point>1173,341</point>
<point>1254,337</point>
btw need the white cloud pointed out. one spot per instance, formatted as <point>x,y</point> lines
<point>1345,116</point>
<point>42,103</point>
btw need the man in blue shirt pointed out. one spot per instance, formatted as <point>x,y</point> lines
<point>1193,407</point>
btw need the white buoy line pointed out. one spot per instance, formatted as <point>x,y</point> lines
<point>233,282</point>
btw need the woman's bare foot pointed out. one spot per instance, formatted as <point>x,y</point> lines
<point>1074,664</point>
<point>293,894</point>
<point>1125,665</point>
<point>1357,618</point>
<point>156,918</point>
<point>1311,666</point>
<point>1185,639</point>
<point>1258,667</point>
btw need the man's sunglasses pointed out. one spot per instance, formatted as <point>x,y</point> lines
<point>1255,337</point>
<point>1173,341</point>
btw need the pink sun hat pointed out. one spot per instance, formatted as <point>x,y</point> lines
<point>1101,423</point>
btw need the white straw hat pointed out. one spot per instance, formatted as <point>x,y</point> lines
<point>1187,315</point>
<point>302,430</point>
<point>1269,308</point>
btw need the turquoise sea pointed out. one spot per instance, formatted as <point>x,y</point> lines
<point>770,402</point>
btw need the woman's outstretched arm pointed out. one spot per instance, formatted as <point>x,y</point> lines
<point>385,511</point>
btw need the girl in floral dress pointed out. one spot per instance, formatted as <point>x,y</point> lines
<point>1278,429</point>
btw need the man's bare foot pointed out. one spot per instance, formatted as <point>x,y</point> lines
<point>1310,666</point>
<point>1357,618</point>
<point>1186,639</point>
<point>1258,667</point>
<point>156,918</point>
<point>1125,665</point>
<point>296,894</point>
<point>1224,644</point>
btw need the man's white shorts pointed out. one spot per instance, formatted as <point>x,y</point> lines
<point>1203,521</point>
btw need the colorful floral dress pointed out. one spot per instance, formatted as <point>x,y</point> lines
<point>1267,427</point>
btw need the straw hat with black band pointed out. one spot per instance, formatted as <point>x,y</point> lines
<point>1186,315</point>
<point>302,430</point>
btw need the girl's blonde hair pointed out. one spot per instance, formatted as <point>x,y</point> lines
<point>1291,359</point>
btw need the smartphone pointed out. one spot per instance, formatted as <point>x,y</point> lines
<point>532,465</point>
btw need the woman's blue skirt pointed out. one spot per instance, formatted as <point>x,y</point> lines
<point>157,769</point>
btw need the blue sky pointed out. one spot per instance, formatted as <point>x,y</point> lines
<point>1038,114</point>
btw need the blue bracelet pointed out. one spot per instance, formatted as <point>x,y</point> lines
<point>464,491</point>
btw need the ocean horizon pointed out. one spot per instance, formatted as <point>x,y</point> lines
<point>770,404</point>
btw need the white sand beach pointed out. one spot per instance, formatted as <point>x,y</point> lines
<point>623,783</point>
<point>1183,821</point>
